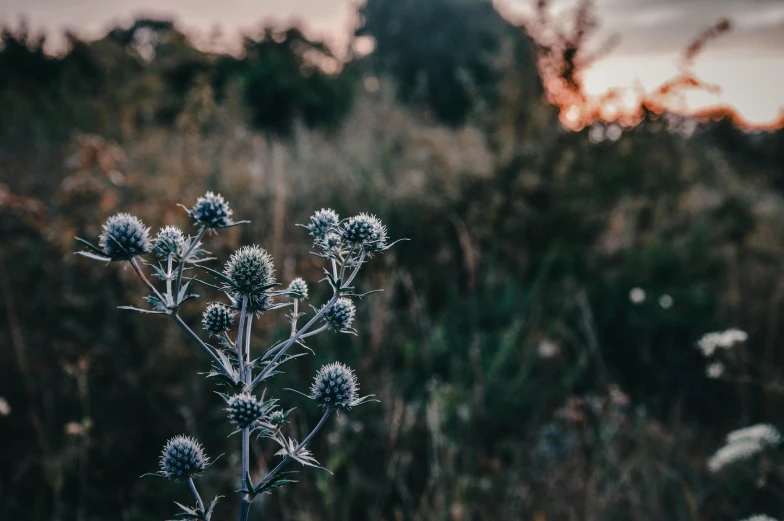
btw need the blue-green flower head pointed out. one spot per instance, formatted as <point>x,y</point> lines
<point>298,288</point>
<point>183,457</point>
<point>250,269</point>
<point>244,409</point>
<point>340,315</point>
<point>124,237</point>
<point>212,210</point>
<point>322,222</point>
<point>169,240</point>
<point>277,418</point>
<point>217,318</point>
<point>335,386</point>
<point>365,230</point>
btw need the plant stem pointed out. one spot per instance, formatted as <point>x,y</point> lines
<point>293,339</point>
<point>146,282</point>
<point>170,300</point>
<point>204,346</point>
<point>248,368</point>
<point>315,331</point>
<point>301,446</point>
<point>356,268</point>
<point>247,373</point>
<point>181,266</point>
<point>199,502</point>
<point>245,500</point>
<point>294,317</point>
<point>240,335</point>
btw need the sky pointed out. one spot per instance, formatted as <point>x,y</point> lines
<point>747,63</point>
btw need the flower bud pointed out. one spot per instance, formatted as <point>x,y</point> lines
<point>169,241</point>
<point>277,418</point>
<point>212,210</point>
<point>182,457</point>
<point>298,288</point>
<point>124,237</point>
<point>250,268</point>
<point>340,315</point>
<point>335,386</point>
<point>217,319</point>
<point>244,409</point>
<point>323,222</point>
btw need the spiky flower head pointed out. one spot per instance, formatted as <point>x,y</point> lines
<point>212,210</point>
<point>335,386</point>
<point>340,315</point>
<point>250,269</point>
<point>217,318</point>
<point>124,237</point>
<point>244,409</point>
<point>169,241</point>
<point>365,230</point>
<point>322,222</point>
<point>329,241</point>
<point>182,458</point>
<point>298,288</point>
<point>277,418</point>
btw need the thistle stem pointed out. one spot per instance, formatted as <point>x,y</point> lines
<point>240,335</point>
<point>299,447</point>
<point>245,466</point>
<point>294,317</point>
<point>247,373</point>
<point>144,279</point>
<point>181,266</point>
<point>169,294</point>
<point>248,368</point>
<point>316,331</point>
<point>199,502</point>
<point>356,268</point>
<point>204,346</point>
<point>293,339</point>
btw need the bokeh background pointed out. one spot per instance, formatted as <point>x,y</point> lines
<point>571,240</point>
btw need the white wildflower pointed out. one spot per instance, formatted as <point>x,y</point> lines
<point>547,348</point>
<point>723,339</point>
<point>714,370</point>
<point>637,295</point>
<point>743,444</point>
<point>666,301</point>
<point>762,432</point>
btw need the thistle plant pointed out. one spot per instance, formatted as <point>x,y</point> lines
<point>249,287</point>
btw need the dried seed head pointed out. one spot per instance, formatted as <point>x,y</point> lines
<point>340,315</point>
<point>169,241</point>
<point>212,210</point>
<point>183,457</point>
<point>217,318</point>
<point>322,222</point>
<point>124,237</point>
<point>250,269</point>
<point>366,231</point>
<point>335,386</point>
<point>244,409</point>
<point>298,288</point>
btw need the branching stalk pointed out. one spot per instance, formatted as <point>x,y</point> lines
<point>293,339</point>
<point>299,447</point>
<point>199,502</point>
<point>181,266</point>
